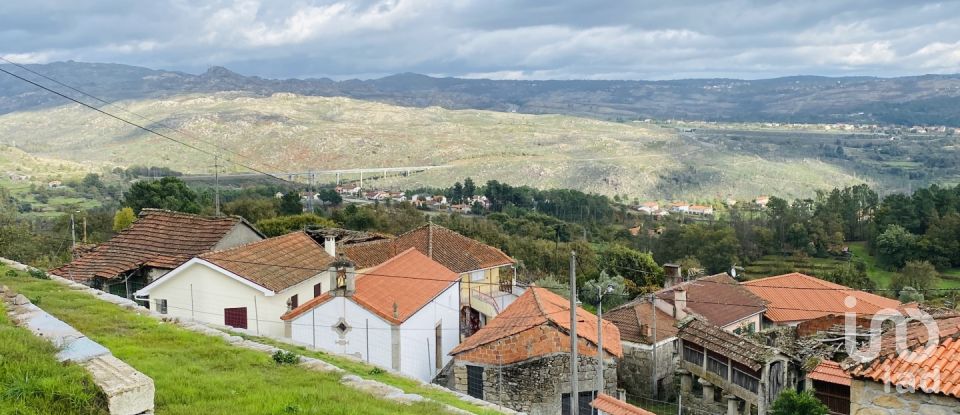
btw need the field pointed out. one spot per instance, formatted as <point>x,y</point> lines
<point>198,374</point>
<point>286,132</point>
<point>33,382</point>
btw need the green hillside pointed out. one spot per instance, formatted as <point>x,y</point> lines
<point>287,132</point>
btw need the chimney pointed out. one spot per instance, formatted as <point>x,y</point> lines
<point>330,245</point>
<point>672,275</point>
<point>679,303</point>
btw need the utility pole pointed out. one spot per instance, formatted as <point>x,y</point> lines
<point>84,228</point>
<point>216,183</point>
<point>73,232</point>
<point>653,373</point>
<point>574,393</point>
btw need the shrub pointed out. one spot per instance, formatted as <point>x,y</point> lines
<point>38,274</point>
<point>377,371</point>
<point>283,357</point>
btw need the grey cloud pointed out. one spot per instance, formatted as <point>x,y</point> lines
<point>497,38</point>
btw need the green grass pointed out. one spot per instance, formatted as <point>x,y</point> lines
<point>198,374</point>
<point>876,273</point>
<point>770,265</point>
<point>33,382</point>
<point>367,371</point>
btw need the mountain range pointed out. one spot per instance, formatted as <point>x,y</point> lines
<point>913,100</point>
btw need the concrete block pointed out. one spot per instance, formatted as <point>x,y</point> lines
<point>128,391</point>
<point>73,345</point>
<point>20,300</point>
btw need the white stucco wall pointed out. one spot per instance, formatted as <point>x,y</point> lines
<point>212,292</point>
<point>416,336</point>
<point>241,234</point>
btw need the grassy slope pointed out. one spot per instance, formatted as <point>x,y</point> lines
<point>197,374</point>
<point>286,132</point>
<point>32,382</point>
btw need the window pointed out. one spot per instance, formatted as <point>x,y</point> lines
<point>583,403</point>
<point>318,289</point>
<point>692,355</point>
<point>478,276</point>
<point>235,317</point>
<point>293,302</point>
<point>162,306</point>
<point>475,381</point>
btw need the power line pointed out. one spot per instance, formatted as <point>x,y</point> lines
<point>124,120</point>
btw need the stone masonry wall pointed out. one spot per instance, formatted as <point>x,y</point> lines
<point>871,398</point>
<point>634,369</point>
<point>536,386</point>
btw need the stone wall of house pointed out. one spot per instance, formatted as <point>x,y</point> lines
<point>634,371</point>
<point>872,398</point>
<point>536,386</point>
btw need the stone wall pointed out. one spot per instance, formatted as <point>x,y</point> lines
<point>634,369</point>
<point>872,398</point>
<point>536,386</point>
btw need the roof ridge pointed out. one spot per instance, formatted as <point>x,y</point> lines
<point>248,244</point>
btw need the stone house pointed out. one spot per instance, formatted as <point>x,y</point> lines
<point>487,274</point>
<point>795,298</point>
<point>521,359</point>
<point>156,243</point>
<point>246,287</point>
<point>401,314</point>
<point>648,355</point>
<point>734,374</point>
<point>913,380</point>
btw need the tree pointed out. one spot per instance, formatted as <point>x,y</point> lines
<point>168,193</point>
<point>253,209</point>
<point>457,192</point>
<point>332,197</point>
<point>895,246</point>
<point>469,188</point>
<point>791,402</point>
<point>637,266</point>
<point>123,219</point>
<point>290,204</point>
<point>910,295</point>
<point>920,275</point>
<point>285,224</point>
<point>590,290</point>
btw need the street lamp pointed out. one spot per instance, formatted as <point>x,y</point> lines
<point>600,293</point>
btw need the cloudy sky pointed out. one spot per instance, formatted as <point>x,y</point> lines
<point>534,39</point>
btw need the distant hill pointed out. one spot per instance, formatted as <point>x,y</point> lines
<point>928,99</point>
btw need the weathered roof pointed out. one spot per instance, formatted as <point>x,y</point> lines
<point>830,372</point>
<point>409,281</point>
<point>453,250</point>
<point>538,306</point>
<point>158,238</point>
<point>935,372</point>
<point>737,348</point>
<point>345,236</point>
<point>631,318</point>
<point>718,298</point>
<point>798,297</point>
<point>613,406</point>
<point>276,263</point>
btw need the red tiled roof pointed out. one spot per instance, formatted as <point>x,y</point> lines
<point>633,317</point>
<point>613,406</point>
<point>799,297</point>
<point>454,251</point>
<point>718,298</point>
<point>158,238</point>
<point>409,281</point>
<point>276,263</point>
<point>830,372</point>
<point>936,372</point>
<point>538,306</point>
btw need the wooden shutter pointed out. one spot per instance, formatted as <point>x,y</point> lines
<point>235,317</point>
<point>318,290</point>
<point>294,301</point>
<point>162,306</point>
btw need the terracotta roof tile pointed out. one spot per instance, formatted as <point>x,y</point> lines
<point>538,306</point>
<point>934,372</point>
<point>276,263</point>
<point>158,238</point>
<point>409,280</point>
<point>718,298</point>
<point>614,406</point>
<point>633,317</point>
<point>454,251</point>
<point>799,297</point>
<point>830,372</point>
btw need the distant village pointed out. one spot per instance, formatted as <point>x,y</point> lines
<point>442,308</point>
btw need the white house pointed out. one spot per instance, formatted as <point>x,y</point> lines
<point>402,314</point>
<point>248,287</point>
